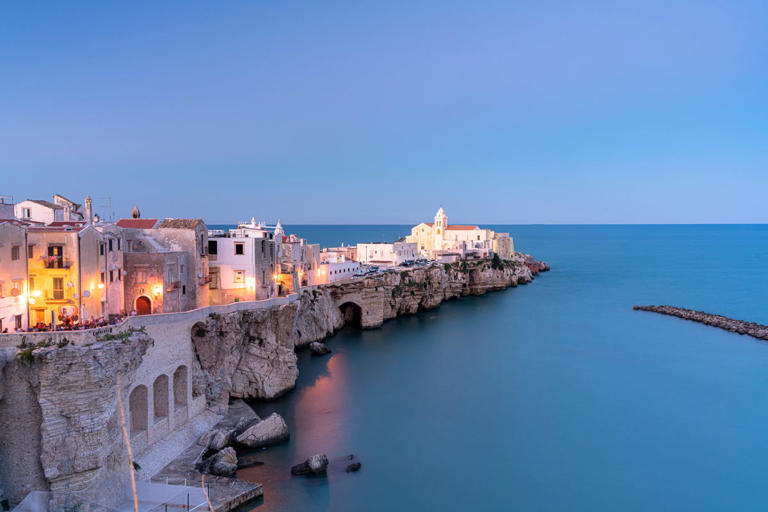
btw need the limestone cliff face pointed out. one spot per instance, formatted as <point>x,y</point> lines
<point>405,292</point>
<point>246,354</point>
<point>59,420</point>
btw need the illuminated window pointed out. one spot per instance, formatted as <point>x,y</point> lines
<point>239,276</point>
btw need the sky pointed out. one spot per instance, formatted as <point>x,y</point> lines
<point>380,112</point>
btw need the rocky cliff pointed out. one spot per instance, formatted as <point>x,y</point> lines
<point>251,353</point>
<point>59,417</point>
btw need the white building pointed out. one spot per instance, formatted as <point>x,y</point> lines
<point>13,276</point>
<point>243,264</point>
<point>332,271</point>
<point>60,210</point>
<point>389,254</point>
<point>440,240</point>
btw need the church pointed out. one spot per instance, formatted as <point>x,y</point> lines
<point>439,240</point>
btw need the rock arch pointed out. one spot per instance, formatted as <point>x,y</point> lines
<point>351,314</point>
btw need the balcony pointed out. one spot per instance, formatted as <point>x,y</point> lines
<point>56,262</point>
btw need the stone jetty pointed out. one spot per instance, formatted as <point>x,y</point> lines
<point>753,329</point>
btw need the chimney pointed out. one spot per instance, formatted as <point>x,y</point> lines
<point>88,210</point>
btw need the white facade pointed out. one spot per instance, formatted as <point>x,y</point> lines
<point>242,264</point>
<point>387,254</point>
<point>336,271</point>
<point>439,239</point>
<point>13,277</point>
<point>60,210</point>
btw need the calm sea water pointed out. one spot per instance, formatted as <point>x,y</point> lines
<point>549,397</point>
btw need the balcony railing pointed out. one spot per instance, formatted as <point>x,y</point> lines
<point>56,262</point>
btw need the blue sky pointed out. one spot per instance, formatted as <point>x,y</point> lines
<point>379,112</point>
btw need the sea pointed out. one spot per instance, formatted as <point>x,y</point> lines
<point>554,396</point>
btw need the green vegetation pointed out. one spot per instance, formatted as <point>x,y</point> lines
<point>447,266</point>
<point>496,262</point>
<point>122,336</point>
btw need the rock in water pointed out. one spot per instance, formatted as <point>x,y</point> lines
<point>315,465</point>
<point>224,463</point>
<point>353,467</point>
<point>271,430</point>
<point>319,349</point>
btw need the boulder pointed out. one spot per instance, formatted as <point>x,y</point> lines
<point>319,349</point>
<point>271,430</point>
<point>216,439</point>
<point>315,465</point>
<point>224,463</point>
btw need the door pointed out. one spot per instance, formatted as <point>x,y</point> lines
<point>143,305</point>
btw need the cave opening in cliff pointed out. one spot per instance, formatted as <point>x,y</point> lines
<point>352,314</point>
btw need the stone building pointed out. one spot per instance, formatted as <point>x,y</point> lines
<point>166,265</point>
<point>13,276</point>
<point>243,263</point>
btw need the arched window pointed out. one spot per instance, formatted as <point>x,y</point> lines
<point>138,409</point>
<point>160,395</point>
<point>180,386</point>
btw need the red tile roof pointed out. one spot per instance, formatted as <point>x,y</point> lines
<point>461,227</point>
<point>137,223</point>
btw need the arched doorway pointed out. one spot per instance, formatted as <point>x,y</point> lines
<point>352,314</point>
<point>137,407</point>
<point>143,305</point>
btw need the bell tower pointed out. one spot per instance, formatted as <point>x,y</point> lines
<point>438,230</point>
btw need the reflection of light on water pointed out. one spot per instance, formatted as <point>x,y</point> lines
<point>318,419</point>
<point>320,411</point>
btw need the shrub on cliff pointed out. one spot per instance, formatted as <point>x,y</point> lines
<point>496,262</point>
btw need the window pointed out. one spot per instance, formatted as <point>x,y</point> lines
<point>31,283</point>
<point>239,249</point>
<point>183,289</point>
<point>239,276</point>
<point>58,288</point>
<point>202,244</point>
<point>18,321</point>
<point>101,249</point>
<point>15,252</point>
<point>110,245</point>
<point>119,274</point>
<point>31,251</point>
<point>111,276</point>
<point>102,277</point>
<point>213,247</point>
<point>141,276</point>
<point>26,213</point>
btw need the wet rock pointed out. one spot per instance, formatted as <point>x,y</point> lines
<point>269,431</point>
<point>355,466</point>
<point>315,465</point>
<point>319,349</point>
<point>224,462</point>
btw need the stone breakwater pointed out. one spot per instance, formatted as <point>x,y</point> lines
<point>59,420</point>
<point>753,329</point>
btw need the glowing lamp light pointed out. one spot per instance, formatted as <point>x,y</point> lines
<point>36,293</point>
<point>250,283</point>
<point>101,286</point>
<point>31,300</point>
<point>157,289</point>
